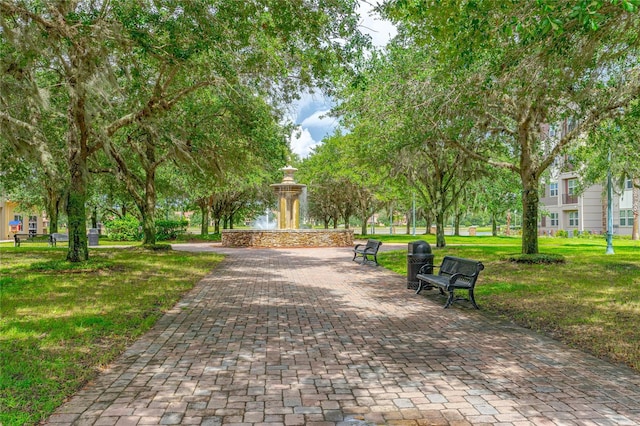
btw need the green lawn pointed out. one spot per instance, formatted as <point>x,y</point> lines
<point>591,302</point>
<point>61,323</point>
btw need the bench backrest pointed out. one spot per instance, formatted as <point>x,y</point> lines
<point>456,265</point>
<point>373,244</point>
<point>60,237</point>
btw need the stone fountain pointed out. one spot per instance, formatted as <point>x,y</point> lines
<point>288,233</point>
<point>288,192</point>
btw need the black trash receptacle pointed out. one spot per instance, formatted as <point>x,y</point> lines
<point>93,237</point>
<point>418,255</point>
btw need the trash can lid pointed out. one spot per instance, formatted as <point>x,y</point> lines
<point>421,247</point>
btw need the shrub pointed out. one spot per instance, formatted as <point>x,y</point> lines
<point>170,229</point>
<point>561,233</point>
<point>126,228</point>
<point>198,237</point>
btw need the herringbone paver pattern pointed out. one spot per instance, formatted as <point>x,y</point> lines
<point>307,337</point>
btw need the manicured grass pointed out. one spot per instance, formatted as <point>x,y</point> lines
<point>591,302</point>
<point>61,323</point>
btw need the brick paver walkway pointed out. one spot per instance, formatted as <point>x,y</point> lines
<point>305,336</point>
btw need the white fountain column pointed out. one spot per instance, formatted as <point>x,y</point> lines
<point>288,192</point>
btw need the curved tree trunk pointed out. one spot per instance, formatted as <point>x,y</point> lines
<point>440,241</point>
<point>494,224</point>
<point>52,207</point>
<point>94,217</point>
<point>530,202</point>
<point>428,221</point>
<point>409,217</point>
<point>148,210</point>
<point>76,211</point>
<point>148,229</point>
<point>204,222</point>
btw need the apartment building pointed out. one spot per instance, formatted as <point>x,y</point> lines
<point>563,208</point>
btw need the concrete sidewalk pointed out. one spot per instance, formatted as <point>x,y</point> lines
<point>306,336</point>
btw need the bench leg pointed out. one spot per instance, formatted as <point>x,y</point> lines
<point>419,289</point>
<point>365,258</point>
<point>450,299</point>
<point>473,299</point>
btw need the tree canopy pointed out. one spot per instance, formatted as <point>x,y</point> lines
<point>505,74</point>
<point>101,69</point>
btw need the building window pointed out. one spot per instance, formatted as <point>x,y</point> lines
<point>572,185</point>
<point>18,218</point>
<point>573,219</point>
<point>554,219</point>
<point>553,189</point>
<point>33,225</point>
<point>626,217</point>
<point>628,184</point>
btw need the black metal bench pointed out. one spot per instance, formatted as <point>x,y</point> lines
<point>32,238</point>
<point>57,236</point>
<point>454,273</point>
<point>366,250</point>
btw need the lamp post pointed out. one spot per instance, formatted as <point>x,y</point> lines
<point>413,213</point>
<point>609,210</point>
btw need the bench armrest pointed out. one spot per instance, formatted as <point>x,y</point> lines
<point>425,266</point>
<point>454,278</point>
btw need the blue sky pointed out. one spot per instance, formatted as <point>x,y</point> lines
<point>310,112</point>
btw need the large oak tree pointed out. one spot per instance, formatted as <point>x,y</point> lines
<point>170,49</point>
<point>506,72</point>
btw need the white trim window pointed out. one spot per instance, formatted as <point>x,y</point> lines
<point>553,189</point>
<point>572,186</point>
<point>626,218</point>
<point>554,219</point>
<point>628,184</point>
<point>574,218</point>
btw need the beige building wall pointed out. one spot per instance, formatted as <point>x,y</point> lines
<point>9,210</point>
<point>590,208</point>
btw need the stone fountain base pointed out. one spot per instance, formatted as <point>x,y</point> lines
<point>287,238</point>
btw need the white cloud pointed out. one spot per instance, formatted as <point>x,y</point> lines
<point>302,142</point>
<point>370,23</point>
<point>310,113</point>
<point>318,118</point>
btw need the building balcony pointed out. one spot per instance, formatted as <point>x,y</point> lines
<point>569,199</point>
